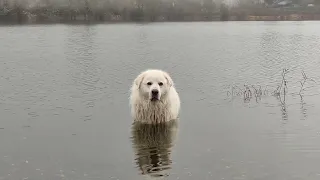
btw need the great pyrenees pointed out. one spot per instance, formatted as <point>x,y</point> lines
<point>154,98</point>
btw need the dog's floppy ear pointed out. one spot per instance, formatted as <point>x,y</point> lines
<point>168,78</point>
<point>139,80</point>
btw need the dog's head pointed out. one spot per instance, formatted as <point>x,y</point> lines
<point>154,84</point>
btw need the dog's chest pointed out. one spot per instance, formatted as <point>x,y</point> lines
<point>154,112</point>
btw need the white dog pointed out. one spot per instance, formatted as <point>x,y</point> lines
<point>154,98</point>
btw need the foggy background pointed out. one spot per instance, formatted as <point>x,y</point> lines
<point>66,11</point>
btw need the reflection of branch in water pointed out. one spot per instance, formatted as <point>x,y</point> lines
<point>283,108</point>
<point>152,144</point>
<point>257,93</point>
<point>282,99</point>
<point>303,108</point>
<point>247,93</point>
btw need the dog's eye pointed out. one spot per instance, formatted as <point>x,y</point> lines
<point>149,83</point>
<point>160,83</point>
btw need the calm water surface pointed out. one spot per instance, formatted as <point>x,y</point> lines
<point>65,114</point>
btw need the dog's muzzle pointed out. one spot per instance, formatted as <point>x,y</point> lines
<point>154,95</point>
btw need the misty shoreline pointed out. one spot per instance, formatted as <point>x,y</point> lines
<point>90,12</point>
<point>78,22</point>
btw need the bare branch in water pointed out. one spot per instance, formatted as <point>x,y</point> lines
<point>280,91</point>
<point>303,81</point>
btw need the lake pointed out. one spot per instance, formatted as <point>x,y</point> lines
<point>64,101</point>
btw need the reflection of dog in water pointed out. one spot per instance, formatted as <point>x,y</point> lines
<point>152,144</point>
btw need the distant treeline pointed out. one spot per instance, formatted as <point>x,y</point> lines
<point>93,11</point>
<point>89,11</point>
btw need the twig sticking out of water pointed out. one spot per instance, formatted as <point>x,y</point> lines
<point>235,91</point>
<point>303,81</point>
<point>283,87</point>
<point>247,93</point>
<point>257,92</point>
<point>279,92</point>
<point>265,92</point>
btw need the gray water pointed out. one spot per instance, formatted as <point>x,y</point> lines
<point>65,114</point>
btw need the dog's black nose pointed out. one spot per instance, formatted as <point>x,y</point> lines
<point>155,92</point>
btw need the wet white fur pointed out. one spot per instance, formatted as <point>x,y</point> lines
<point>146,111</point>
